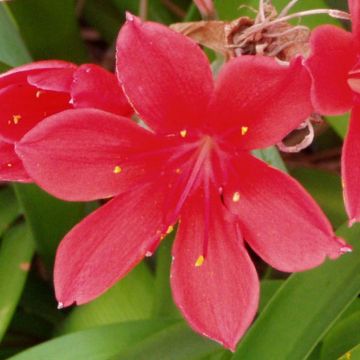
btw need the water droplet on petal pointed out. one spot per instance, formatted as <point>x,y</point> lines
<point>60,305</point>
<point>346,249</point>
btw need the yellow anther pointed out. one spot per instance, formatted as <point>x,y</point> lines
<point>38,93</point>
<point>183,133</point>
<point>178,171</point>
<point>16,119</point>
<point>236,196</point>
<point>244,130</point>
<point>9,164</point>
<point>200,260</point>
<point>117,169</point>
<point>170,229</point>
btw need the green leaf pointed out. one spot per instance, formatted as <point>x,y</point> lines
<point>16,251</point>
<point>99,343</point>
<point>177,342</point>
<point>9,208</point>
<point>105,17</point>
<point>156,10</point>
<point>339,124</point>
<point>305,307</point>
<point>49,219</point>
<point>267,289</point>
<point>326,189</point>
<point>271,156</point>
<point>163,303</point>
<point>13,51</point>
<point>130,299</point>
<point>54,33</point>
<point>353,354</point>
<point>342,337</point>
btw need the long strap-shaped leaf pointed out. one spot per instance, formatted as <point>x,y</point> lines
<point>99,343</point>
<point>16,251</point>
<point>305,307</point>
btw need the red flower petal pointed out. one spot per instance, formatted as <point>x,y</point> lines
<point>258,102</point>
<point>333,56</point>
<point>108,244</point>
<point>94,87</point>
<point>52,79</point>
<point>90,154</point>
<point>218,294</point>
<point>165,75</point>
<point>354,6</point>
<point>279,220</point>
<point>11,167</point>
<point>350,167</point>
<point>20,73</point>
<point>23,106</point>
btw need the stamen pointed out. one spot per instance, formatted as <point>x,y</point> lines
<point>200,260</point>
<point>183,133</point>
<point>169,230</point>
<point>236,197</point>
<point>244,130</point>
<point>117,169</point>
<point>16,119</point>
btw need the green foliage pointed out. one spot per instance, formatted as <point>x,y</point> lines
<point>311,315</point>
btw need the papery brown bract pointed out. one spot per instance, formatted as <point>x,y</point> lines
<point>192,166</point>
<point>335,68</point>
<point>32,92</point>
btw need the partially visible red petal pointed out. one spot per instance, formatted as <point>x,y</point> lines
<point>23,106</point>
<point>258,102</point>
<point>94,87</point>
<point>351,168</point>
<point>20,73</point>
<point>279,220</point>
<point>108,244</point>
<point>11,167</point>
<point>333,55</point>
<point>88,154</point>
<point>52,79</point>
<point>165,75</point>
<point>217,294</point>
<point>354,6</point>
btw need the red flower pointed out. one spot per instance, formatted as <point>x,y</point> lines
<point>194,165</point>
<point>334,64</point>
<point>30,93</point>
